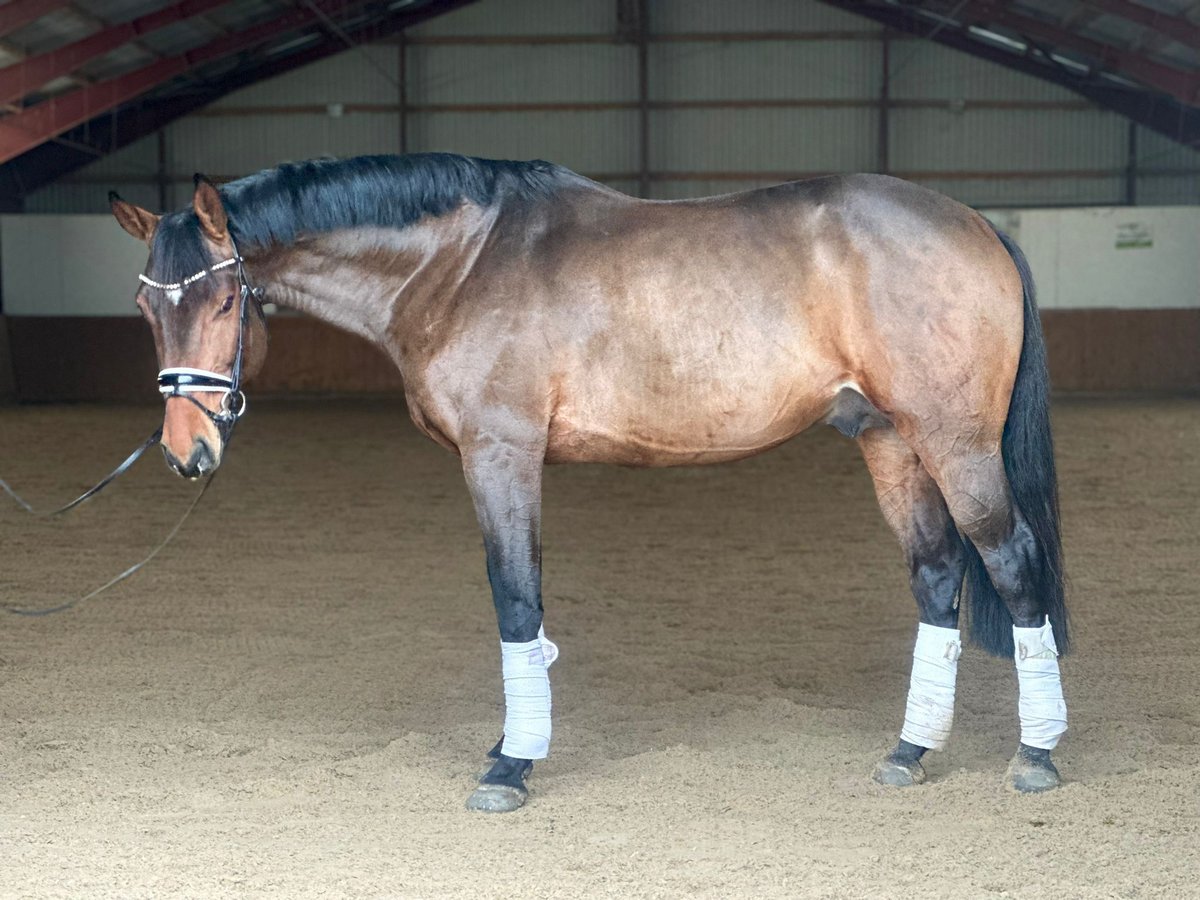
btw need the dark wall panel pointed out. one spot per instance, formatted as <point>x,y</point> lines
<point>77,358</point>
<point>7,387</point>
<point>113,358</point>
<point>1123,349</point>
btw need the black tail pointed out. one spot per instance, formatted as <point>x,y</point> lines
<point>1028,450</point>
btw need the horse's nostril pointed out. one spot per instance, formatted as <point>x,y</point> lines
<point>172,461</point>
<point>202,459</point>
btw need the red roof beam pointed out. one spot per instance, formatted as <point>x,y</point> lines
<point>1177,28</point>
<point>1179,83</point>
<point>33,126</point>
<point>20,13</point>
<point>27,76</point>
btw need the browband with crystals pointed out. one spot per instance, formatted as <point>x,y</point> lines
<point>179,286</point>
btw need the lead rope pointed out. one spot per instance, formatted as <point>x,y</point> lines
<point>224,424</point>
<point>62,607</point>
<point>90,492</point>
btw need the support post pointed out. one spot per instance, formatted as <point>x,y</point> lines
<point>885,101</point>
<point>8,381</point>
<point>402,82</point>
<point>1131,166</point>
<point>643,49</point>
<point>633,26</point>
<point>162,176</point>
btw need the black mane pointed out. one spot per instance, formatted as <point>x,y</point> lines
<point>277,206</point>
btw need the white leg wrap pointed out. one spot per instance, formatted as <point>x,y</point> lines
<point>1042,708</point>
<point>527,697</point>
<point>930,711</point>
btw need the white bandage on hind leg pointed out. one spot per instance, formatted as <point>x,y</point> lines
<point>1042,708</point>
<point>930,711</point>
<point>527,696</point>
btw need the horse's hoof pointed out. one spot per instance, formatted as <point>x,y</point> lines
<point>898,771</point>
<point>1031,771</point>
<point>497,798</point>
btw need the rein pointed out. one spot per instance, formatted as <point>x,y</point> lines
<point>172,382</point>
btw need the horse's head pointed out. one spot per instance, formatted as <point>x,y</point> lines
<point>194,305</point>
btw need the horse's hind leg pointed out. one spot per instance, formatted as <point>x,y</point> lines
<point>1010,582</point>
<point>505,478</point>
<point>913,506</point>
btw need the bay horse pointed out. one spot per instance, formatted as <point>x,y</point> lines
<point>539,317</point>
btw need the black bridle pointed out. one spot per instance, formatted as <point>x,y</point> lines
<point>185,382</point>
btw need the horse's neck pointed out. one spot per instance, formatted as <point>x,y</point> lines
<point>360,279</point>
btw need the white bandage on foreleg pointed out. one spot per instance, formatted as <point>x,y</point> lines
<point>930,711</point>
<point>1042,708</point>
<point>527,696</point>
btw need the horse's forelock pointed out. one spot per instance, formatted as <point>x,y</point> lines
<point>178,249</point>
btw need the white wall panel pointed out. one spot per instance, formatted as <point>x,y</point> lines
<point>1078,260</point>
<point>751,70</point>
<point>366,74</point>
<point>800,140</point>
<point>1031,191</point>
<point>1006,140</point>
<point>562,73</point>
<point>1169,189</point>
<point>89,197</point>
<point>244,144</point>
<point>68,266</point>
<point>585,141</point>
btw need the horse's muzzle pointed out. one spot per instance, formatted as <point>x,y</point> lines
<point>202,461</point>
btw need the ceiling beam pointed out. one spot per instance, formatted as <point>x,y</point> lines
<point>22,79</point>
<point>1179,83</point>
<point>32,126</point>
<point>1158,112</point>
<point>1177,28</point>
<point>20,13</point>
<point>54,159</point>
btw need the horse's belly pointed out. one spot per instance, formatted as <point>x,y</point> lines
<point>640,424</point>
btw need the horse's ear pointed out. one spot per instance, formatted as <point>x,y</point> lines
<point>210,210</point>
<point>137,221</point>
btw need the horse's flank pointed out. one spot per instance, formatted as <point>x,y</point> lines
<point>663,333</point>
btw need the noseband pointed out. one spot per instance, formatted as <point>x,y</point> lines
<point>182,381</point>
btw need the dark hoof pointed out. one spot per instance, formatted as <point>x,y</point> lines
<point>1031,771</point>
<point>899,771</point>
<point>497,798</point>
<point>502,788</point>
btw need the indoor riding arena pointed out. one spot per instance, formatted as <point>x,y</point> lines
<point>286,673</point>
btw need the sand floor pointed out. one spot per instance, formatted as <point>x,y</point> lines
<point>293,700</point>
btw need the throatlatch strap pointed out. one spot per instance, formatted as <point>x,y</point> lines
<point>527,723</point>
<point>930,711</point>
<point>1042,708</point>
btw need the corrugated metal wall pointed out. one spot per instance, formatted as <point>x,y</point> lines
<point>739,94</point>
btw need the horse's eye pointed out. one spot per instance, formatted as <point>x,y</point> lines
<point>228,304</point>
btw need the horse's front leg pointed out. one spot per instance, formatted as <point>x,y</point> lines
<point>505,479</point>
